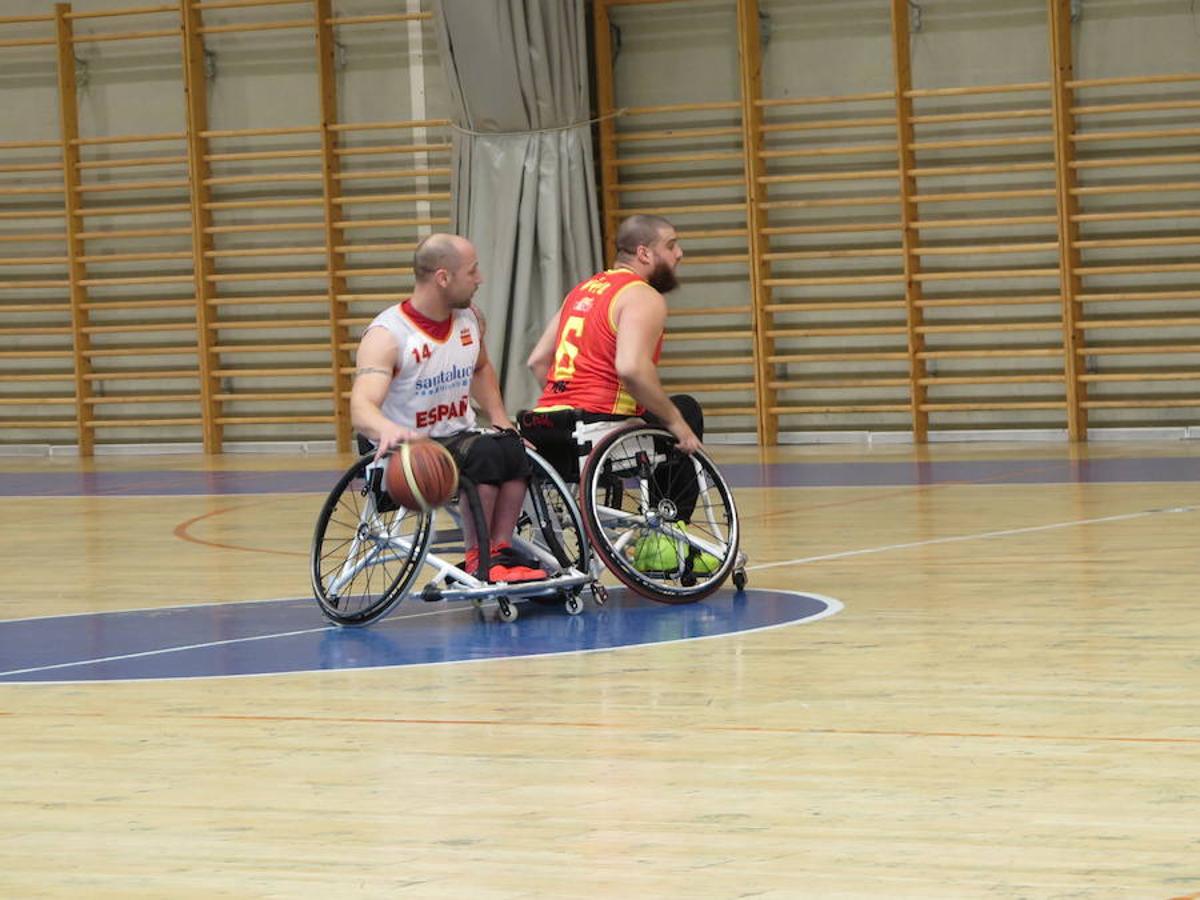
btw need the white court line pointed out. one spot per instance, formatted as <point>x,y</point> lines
<point>185,647</point>
<point>161,650</point>
<point>832,607</point>
<point>970,537</point>
<point>788,562</point>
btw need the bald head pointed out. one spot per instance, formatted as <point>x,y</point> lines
<point>446,271</point>
<point>438,251</point>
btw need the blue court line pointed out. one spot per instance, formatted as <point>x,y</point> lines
<point>739,475</point>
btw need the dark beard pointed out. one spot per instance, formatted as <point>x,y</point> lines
<point>662,279</point>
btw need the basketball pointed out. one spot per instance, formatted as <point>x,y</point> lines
<point>421,474</point>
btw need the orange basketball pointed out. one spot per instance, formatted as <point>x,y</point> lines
<point>421,474</point>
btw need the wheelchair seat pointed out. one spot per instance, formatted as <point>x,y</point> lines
<point>564,437</point>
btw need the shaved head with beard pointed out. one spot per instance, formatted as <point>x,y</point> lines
<point>644,230</point>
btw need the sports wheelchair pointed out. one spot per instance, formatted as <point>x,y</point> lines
<point>368,554</point>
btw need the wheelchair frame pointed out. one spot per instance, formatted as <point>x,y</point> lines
<point>375,534</point>
<point>361,532</point>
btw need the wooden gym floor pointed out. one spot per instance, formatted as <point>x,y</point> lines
<point>1005,705</point>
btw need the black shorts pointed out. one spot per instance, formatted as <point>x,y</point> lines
<point>552,432</point>
<point>488,457</point>
<point>553,435</point>
<point>483,457</point>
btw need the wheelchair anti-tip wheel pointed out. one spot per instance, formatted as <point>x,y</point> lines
<point>662,521</point>
<point>366,551</point>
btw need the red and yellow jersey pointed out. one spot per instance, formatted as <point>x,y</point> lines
<point>584,372</point>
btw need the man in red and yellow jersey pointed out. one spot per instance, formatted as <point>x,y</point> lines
<point>599,354</point>
<point>598,360</point>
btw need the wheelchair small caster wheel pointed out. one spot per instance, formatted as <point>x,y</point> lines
<point>599,594</point>
<point>431,593</point>
<point>688,579</point>
<point>507,610</point>
<point>739,579</point>
<point>574,606</point>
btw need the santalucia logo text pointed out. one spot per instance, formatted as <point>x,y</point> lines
<point>455,375</point>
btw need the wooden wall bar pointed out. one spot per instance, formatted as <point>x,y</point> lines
<point>688,162</point>
<point>1136,214</point>
<point>204,284</point>
<point>750,64</point>
<point>38,363</point>
<point>917,258</point>
<point>128,219</point>
<point>200,195</point>
<point>1066,180</point>
<point>341,358</point>
<point>1014,256</point>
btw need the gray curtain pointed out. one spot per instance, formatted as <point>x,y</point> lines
<point>523,180</point>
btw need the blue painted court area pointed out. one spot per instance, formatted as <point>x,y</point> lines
<point>291,635</point>
<point>41,483</point>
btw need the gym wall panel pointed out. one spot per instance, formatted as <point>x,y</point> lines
<point>997,232</point>
<point>248,178</point>
<point>676,149</point>
<point>833,298</point>
<point>1137,172</point>
<point>37,362</point>
<point>965,218</point>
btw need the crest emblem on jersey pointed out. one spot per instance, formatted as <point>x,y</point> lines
<point>465,337</point>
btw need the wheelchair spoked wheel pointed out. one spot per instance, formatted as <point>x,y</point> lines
<point>366,551</point>
<point>663,522</point>
<point>550,521</point>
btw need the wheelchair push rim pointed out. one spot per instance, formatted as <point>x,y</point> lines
<point>366,551</point>
<point>626,500</point>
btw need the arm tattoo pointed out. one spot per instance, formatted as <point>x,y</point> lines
<point>371,370</point>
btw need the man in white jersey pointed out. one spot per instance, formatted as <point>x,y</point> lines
<point>420,364</point>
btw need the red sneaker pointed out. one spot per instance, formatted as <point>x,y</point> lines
<point>500,571</point>
<point>507,555</point>
<point>471,566</point>
<point>515,573</point>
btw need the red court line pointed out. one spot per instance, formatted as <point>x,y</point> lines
<point>182,531</point>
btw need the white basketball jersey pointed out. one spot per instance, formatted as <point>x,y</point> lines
<point>431,379</point>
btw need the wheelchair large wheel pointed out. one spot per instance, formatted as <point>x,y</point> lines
<point>366,551</point>
<point>550,519</point>
<point>663,522</point>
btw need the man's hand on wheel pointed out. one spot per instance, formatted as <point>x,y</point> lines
<point>686,438</point>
